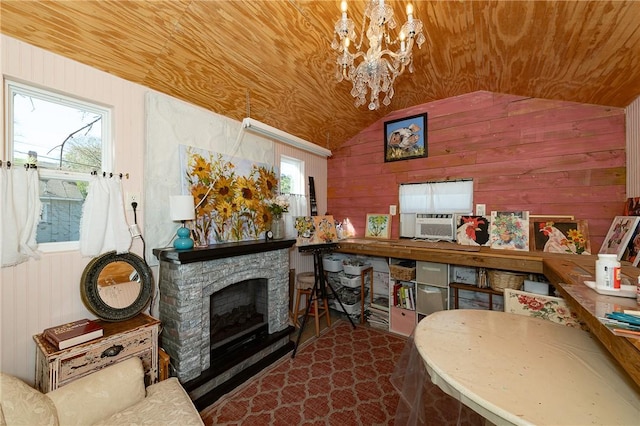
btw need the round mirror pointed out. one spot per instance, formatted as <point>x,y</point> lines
<point>116,287</point>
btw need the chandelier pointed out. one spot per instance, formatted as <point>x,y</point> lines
<point>385,59</point>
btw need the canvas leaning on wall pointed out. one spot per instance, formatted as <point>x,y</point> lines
<point>620,233</point>
<point>378,226</point>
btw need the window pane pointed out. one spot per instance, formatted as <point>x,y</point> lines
<point>291,176</point>
<point>63,135</point>
<point>62,202</point>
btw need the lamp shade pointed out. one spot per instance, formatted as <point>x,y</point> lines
<point>182,207</point>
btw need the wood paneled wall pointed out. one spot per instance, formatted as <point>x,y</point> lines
<point>544,156</point>
<point>633,148</point>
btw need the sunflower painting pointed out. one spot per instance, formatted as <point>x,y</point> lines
<point>232,200</point>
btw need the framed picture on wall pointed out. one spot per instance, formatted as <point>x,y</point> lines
<point>378,226</point>
<point>559,235</point>
<point>405,138</point>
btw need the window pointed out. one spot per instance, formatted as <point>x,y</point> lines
<point>68,139</point>
<point>291,176</point>
<point>437,197</point>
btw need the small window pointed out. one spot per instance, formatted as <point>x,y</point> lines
<point>68,139</point>
<point>437,197</point>
<point>291,176</point>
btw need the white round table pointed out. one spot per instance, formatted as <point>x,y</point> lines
<point>514,369</point>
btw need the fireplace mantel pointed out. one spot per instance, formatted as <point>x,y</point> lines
<point>219,251</point>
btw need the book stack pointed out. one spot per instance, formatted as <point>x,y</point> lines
<point>379,313</point>
<point>404,295</point>
<point>74,333</point>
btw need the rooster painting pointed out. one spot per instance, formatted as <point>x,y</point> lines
<point>472,231</point>
<point>557,242</point>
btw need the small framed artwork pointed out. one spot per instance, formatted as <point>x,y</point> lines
<point>378,226</point>
<point>472,230</point>
<point>620,232</point>
<point>405,138</point>
<point>509,230</point>
<point>559,234</point>
<point>632,252</point>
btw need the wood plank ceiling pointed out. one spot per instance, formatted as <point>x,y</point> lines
<point>272,60</point>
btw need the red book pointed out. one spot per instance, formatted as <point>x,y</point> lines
<point>71,334</point>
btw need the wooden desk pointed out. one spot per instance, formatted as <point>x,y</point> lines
<point>568,276</point>
<point>514,369</point>
<point>564,271</point>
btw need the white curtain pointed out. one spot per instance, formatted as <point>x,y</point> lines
<point>103,226</point>
<point>298,206</point>
<point>19,214</point>
<point>437,197</point>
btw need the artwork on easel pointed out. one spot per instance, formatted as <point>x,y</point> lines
<point>509,230</point>
<point>620,233</point>
<point>472,230</point>
<point>315,230</point>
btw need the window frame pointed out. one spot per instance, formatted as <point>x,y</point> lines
<point>12,87</point>
<point>299,164</point>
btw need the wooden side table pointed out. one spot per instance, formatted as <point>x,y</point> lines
<point>137,336</point>
<point>457,286</point>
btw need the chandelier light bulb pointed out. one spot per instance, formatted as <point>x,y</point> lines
<point>377,59</point>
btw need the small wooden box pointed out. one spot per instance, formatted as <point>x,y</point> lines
<point>163,364</point>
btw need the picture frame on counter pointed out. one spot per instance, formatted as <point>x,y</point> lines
<point>620,232</point>
<point>406,138</point>
<point>559,234</point>
<point>378,226</point>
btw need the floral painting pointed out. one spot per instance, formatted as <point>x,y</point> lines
<point>315,230</point>
<point>234,201</point>
<point>538,306</point>
<point>378,226</point>
<point>509,230</point>
<point>620,233</point>
<point>557,235</point>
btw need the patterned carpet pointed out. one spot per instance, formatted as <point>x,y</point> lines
<point>341,378</point>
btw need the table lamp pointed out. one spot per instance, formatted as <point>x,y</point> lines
<point>182,208</point>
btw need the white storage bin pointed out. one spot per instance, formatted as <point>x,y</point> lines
<point>348,309</point>
<point>354,269</point>
<point>351,281</point>
<point>332,264</point>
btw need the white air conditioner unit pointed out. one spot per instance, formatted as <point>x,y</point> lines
<point>254,126</point>
<point>435,226</point>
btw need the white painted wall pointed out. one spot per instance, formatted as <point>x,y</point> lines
<point>43,293</point>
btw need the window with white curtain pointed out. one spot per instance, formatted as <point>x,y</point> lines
<point>69,138</point>
<point>291,175</point>
<point>437,197</point>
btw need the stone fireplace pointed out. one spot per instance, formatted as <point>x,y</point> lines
<point>247,273</point>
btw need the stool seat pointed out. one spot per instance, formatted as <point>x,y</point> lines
<point>305,282</point>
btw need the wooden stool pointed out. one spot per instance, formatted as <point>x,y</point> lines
<point>304,287</point>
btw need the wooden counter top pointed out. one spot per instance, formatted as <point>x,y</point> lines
<point>566,272</point>
<point>568,277</point>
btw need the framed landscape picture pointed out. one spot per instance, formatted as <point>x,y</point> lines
<point>620,232</point>
<point>378,226</point>
<point>559,235</point>
<point>405,138</point>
